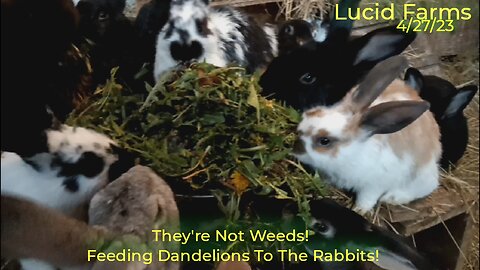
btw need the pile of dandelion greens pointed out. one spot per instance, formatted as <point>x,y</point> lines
<point>206,130</point>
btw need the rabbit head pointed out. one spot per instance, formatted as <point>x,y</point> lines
<point>187,29</point>
<point>322,73</point>
<point>135,203</point>
<point>293,34</point>
<point>439,92</point>
<point>98,17</point>
<point>326,130</point>
<point>363,127</point>
<point>337,227</point>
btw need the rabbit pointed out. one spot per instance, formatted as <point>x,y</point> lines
<point>129,207</point>
<point>370,141</point>
<point>217,35</point>
<point>334,227</point>
<point>28,89</point>
<point>79,162</point>
<point>447,105</point>
<point>293,34</point>
<point>110,40</point>
<point>136,203</point>
<point>337,227</point>
<point>322,73</point>
<point>150,20</point>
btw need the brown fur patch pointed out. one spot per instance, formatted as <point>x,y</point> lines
<point>399,87</point>
<point>422,137</point>
<point>331,149</point>
<point>315,113</point>
<point>308,132</point>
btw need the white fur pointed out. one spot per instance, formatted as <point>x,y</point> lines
<point>44,186</point>
<point>272,38</point>
<point>368,166</point>
<point>225,30</point>
<point>319,29</point>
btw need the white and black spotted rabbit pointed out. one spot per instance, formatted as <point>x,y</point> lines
<point>217,35</point>
<point>79,162</point>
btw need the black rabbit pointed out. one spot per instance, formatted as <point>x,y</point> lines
<point>321,73</point>
<point>293,34</point>
<point>335,228</point>
<point>36,38</point>
<point>150,20</point>
<point>447,105</point>
<point>338,227</point>
<point>111,41</point>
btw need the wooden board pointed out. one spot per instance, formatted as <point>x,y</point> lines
<point>241,3</point>
<point>440,206</point>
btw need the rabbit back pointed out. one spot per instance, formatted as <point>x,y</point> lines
<point>76,166</point>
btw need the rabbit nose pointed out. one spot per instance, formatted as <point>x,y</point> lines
<point>299,147</point>
<point>184,52</point>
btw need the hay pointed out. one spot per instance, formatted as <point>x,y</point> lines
<point>461,70</point>
<point>203,129</point>
<point>293,9</point>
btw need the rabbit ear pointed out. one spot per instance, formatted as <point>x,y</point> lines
<point>380,44</point>
<point>390,117</point>
<point>340,30</point>
<point>460,101</point>
<point>414,79</point>
<point>377,80</point>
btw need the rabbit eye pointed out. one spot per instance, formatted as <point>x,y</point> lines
<point>323,141</point>
<point>308,78</point>
<point>289,30</point>
<point>102,16</point>
<point>202,27</point>
<point>320,227</point>
<point>323,227</point>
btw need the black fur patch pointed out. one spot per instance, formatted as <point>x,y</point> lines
<point>186,52</point>
<point>150,20</point>
<point>169,31</point>
<point>71,184</point>
<point>89,165</point>
<point>202,27</point>
<point>125,161</point>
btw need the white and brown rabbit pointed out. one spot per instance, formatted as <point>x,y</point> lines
<point>380,141</point>
<point>217,35</point>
